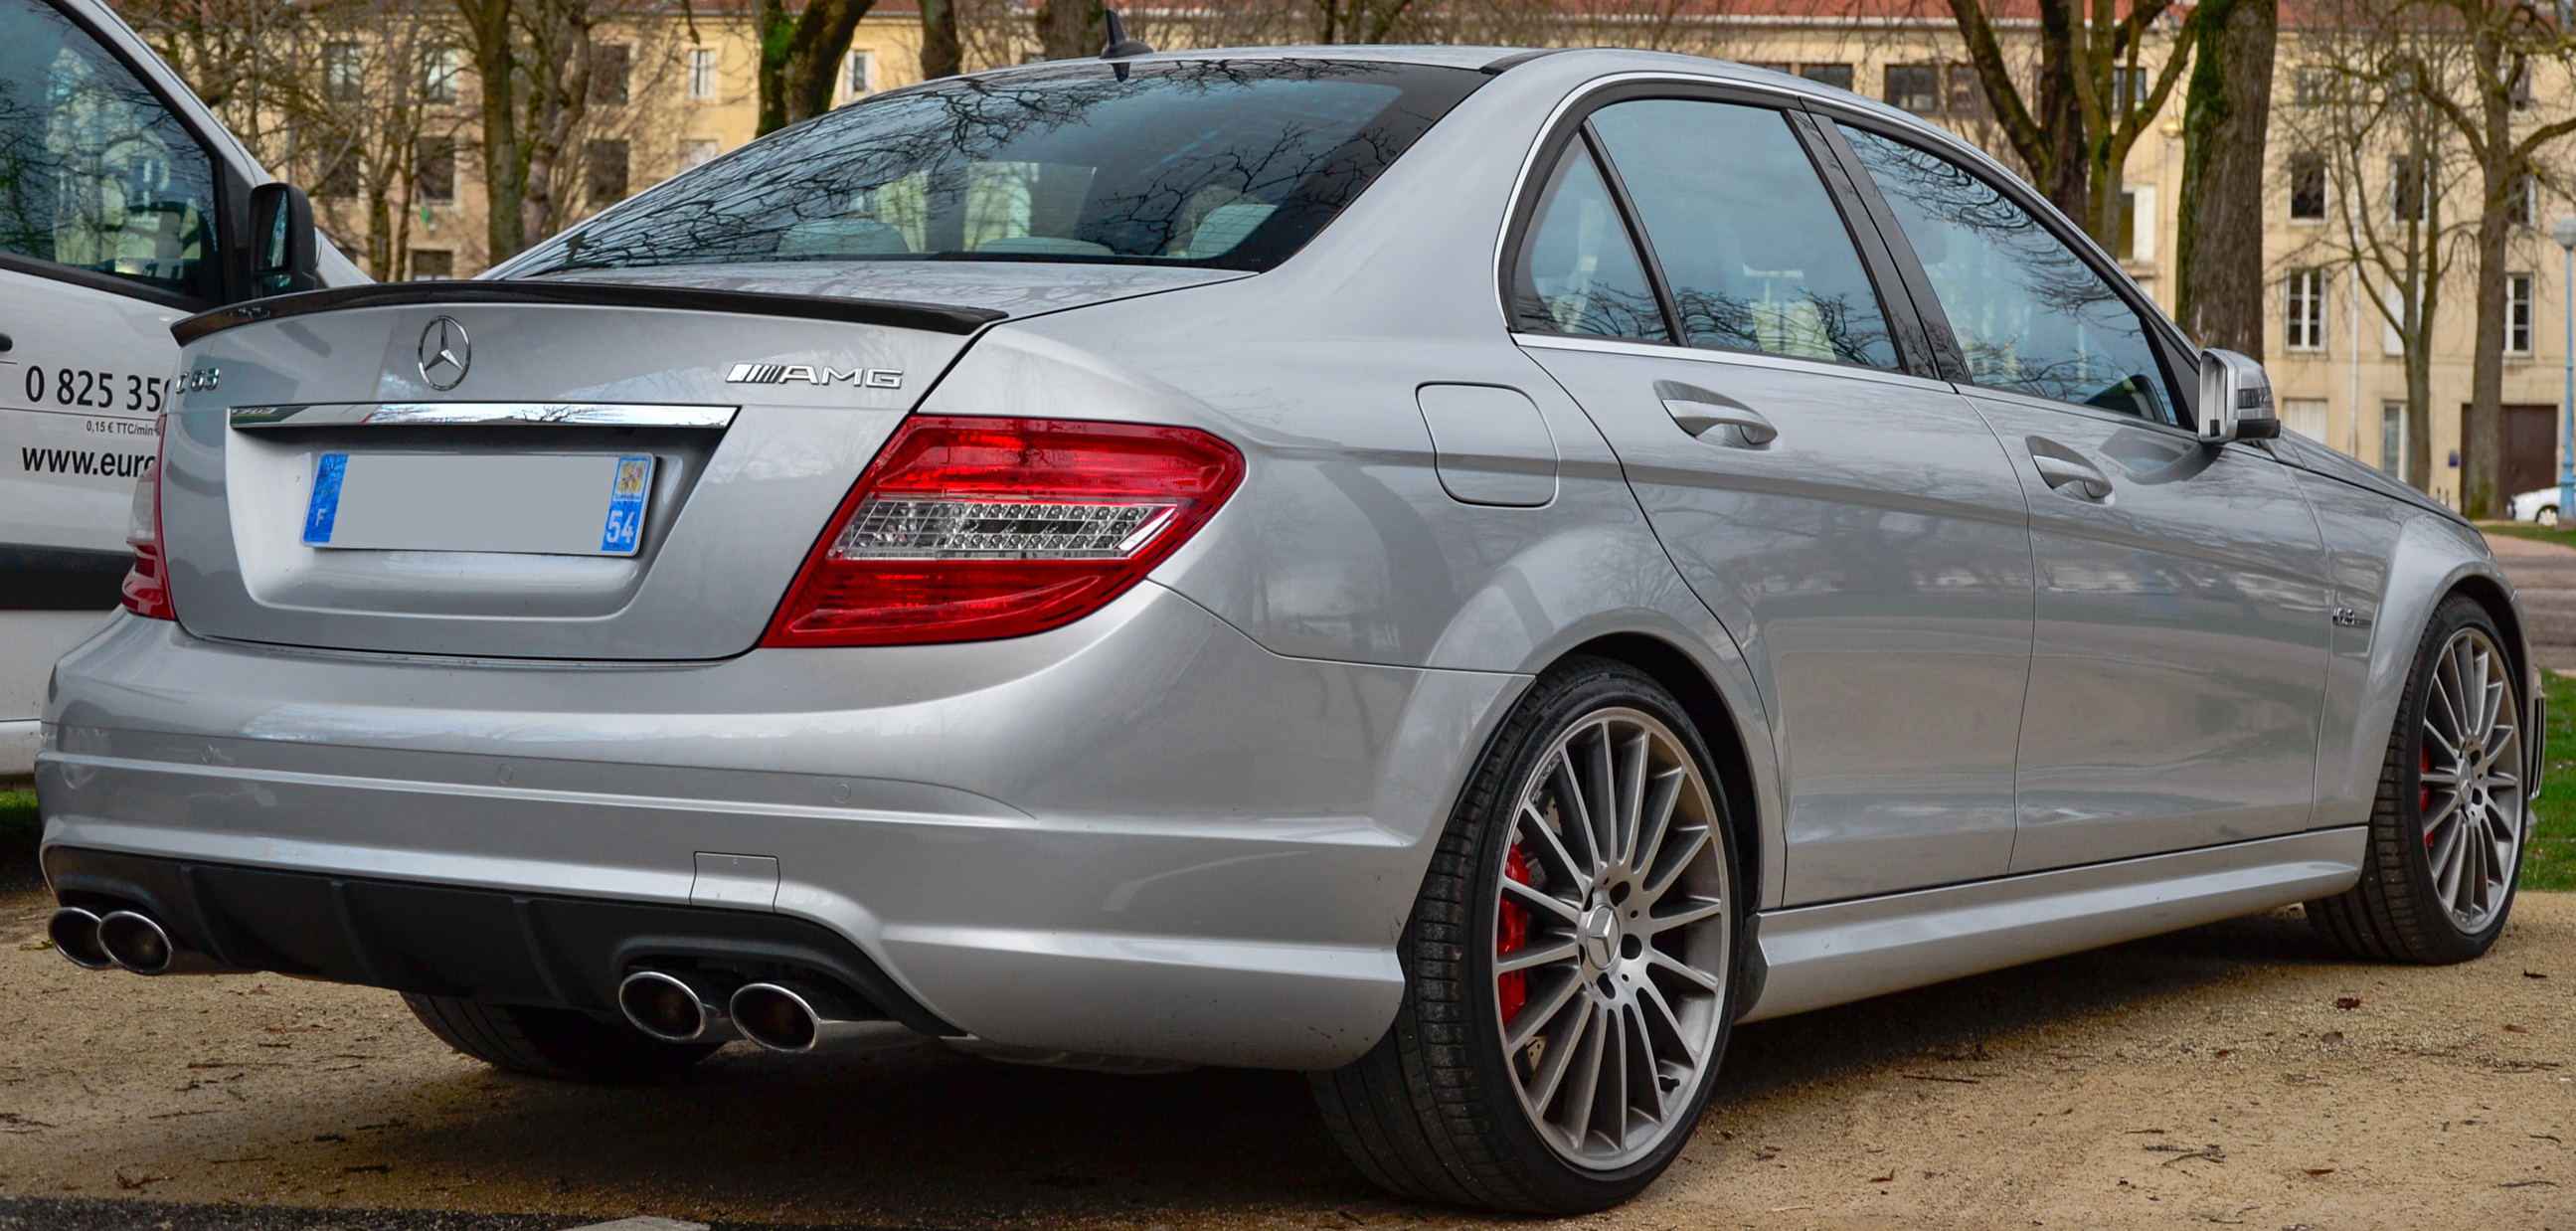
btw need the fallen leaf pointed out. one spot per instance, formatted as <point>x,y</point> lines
<point>2331,1038</point>
<point>2347,1002</point>
<point>2513,1029</point>
<point>2533,974</point>
<point>376,1168</point>
<point>2321,1171</point>
<point>1889,1178</point>
<point>2226,1051</point>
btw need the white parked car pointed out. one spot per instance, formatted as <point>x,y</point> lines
<point>2538,505</point>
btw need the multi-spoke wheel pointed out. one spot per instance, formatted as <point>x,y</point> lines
<point>1569,967</point>
<point>2447,832</point>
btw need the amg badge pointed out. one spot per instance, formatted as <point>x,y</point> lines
<point>812,374</point>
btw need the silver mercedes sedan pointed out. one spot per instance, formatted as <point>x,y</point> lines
<point>1463,572</point>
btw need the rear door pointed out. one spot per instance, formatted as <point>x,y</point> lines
<point>108,207</point>
<point>1853,524</point>
<point>2182,620</point>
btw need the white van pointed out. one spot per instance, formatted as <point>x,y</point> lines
<point>124,206</point>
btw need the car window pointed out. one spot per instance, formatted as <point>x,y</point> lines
<point>1230,164</point>
<point>1753,249</point>
<point>1579,271</point>
<point>2029,314</point>
<point>94,173</point>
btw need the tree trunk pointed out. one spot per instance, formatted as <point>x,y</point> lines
<point>496,70</point>
<point>942,54</point>
<point>2226,113</point>
<point>2066,177</point>
<point>814,58</point>
<point>1071,29</point>
<point>2482,421</point>
<point>558,98</point>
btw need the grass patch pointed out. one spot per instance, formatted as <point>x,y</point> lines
<point>18,815</point>
<point>2526,530</point>
<point>2551,861</point>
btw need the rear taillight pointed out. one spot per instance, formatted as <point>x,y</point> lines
<point>969,528</point>
<point>147,584</point>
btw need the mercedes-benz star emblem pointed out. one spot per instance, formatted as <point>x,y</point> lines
<point>444,353</point>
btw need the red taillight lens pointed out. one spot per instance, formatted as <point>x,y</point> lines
<point>965,528</point>
<point>147,584</point>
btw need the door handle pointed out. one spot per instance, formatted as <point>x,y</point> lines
<point>1699,411</point>
<point>2061,472</point>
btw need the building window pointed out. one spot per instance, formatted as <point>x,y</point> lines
<point>1782,67</point>
<point>2306,416</point>
<point>611,65</point>
<point>697,152</point>
<point>2307,187</point>
<point>438,73</point>
<point>2522,204</point>
<point>2409,189</point>
<point>1967,94</point>
<point>2314,85</point>
<point>2129,89</point>
<point>2517,314</point>
<point>2392,440</point>
<point>344,72</point>
<point>702,72</point>
<point>862,73</point>
<point>2136,231</point>
<point>1839,76</point>
<point>1914,87</point>
<point>606,173</point>
<point>433,170</point>
<point>432,264</point>
<point>2307,310</point>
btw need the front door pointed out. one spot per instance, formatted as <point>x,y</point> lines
<point>1857,529</point>
<point>2530,449</point>
<point>2182,619</point>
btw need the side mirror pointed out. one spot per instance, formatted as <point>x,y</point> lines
<point>2235,399</point>
<point>282,257</point>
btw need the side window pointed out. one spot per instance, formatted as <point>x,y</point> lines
<point>2030,315</point>
<point>94,174</point>
<point>1752,246</point>
<point>1579,271</point>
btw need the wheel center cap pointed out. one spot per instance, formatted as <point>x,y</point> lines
<point>1599,934</point>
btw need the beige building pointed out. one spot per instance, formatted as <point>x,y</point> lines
<point>2336,366</point>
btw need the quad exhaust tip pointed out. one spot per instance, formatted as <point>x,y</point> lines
<point>75,935</point>
<point>675,1007</point>
<point>135,942</point>
<point>801,1018</point>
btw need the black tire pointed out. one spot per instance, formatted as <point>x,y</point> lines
<point>2397,912</point>
<point>557,1043</point>
<point>1431,1112</point>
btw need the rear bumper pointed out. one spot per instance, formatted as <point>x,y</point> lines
<point>1140,835</point>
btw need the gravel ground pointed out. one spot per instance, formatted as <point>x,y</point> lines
<point>2236,1074</point>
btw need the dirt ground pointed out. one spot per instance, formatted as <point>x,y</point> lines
<point>2237,1074</point>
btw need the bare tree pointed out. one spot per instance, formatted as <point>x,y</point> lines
<point>2391,168</point>
<point>801,56</point>
<point>2074,131</point>
<point>2493,46</point>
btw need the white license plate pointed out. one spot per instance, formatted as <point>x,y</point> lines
<point>550,504</point>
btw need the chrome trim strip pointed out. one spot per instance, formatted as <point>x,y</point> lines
<point>578,414</point>
<point>1749,359</point>
<point>1846,951</point>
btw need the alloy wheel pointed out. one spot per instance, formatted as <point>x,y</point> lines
<point>1613,939</point>
<point>2469,789</point>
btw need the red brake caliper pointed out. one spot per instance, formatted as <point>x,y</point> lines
<point>1511,934</point>
<point>2423,791</point>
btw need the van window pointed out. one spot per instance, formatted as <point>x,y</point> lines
<point>94,172</point>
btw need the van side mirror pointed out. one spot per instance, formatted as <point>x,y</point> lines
<point>282,256</point>
<point>2235,399</point>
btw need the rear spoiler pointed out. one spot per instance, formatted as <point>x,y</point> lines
<point>892,313</point>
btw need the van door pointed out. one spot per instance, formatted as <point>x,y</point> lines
<point>107,235</point>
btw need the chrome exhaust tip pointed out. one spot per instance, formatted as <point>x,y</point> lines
<point>75,935</point>
<point>135,942</point>
<point>800,1018</point>
<point>684,1007</point>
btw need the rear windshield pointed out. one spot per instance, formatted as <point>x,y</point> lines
<point>1232,164</point>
